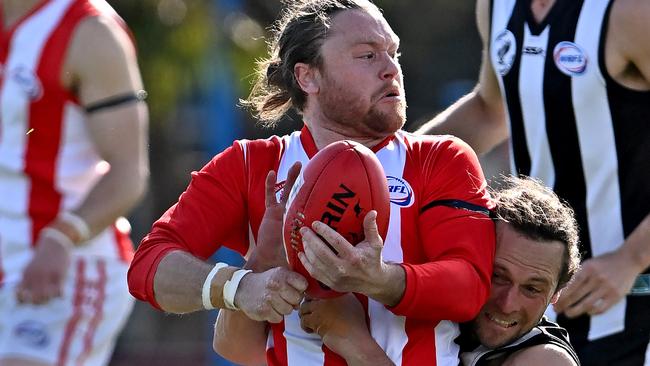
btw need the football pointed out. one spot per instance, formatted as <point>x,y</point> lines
<point>339,186</point>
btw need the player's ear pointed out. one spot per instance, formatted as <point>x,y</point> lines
<point>307,77</point>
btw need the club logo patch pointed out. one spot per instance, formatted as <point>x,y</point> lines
<point>570,59</point>
<point>32,333</point>
<point>28,81</point>
<point>400,192</point>
<point>503,51</point>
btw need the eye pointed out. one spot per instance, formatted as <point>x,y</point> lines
<point>499,279</point>
<point>368,56</point>
<point>532,290</point>
<point>396,55</point>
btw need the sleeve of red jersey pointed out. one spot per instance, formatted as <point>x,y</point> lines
<point>209,214</point>
<point>459,243</point>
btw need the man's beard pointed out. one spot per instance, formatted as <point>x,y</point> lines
<point>339,106</point>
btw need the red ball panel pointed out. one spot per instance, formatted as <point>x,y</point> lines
<point>339,186</point>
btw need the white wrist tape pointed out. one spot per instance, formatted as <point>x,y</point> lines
<point>206,292</point>
<point>77,223</point>
<point>230,288</point>
<point>58,236</point>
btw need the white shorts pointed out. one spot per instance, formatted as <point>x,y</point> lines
<point>79,328</point>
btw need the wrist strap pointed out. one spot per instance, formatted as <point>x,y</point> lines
<point>230,288</point>
<point>77,223</point>
<point>206,292</point>
<point>58,236</point>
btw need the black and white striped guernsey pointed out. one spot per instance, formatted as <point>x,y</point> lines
<point>578,130</point>
<point>545,332</point>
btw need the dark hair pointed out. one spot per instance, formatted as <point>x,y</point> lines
<point>536,212</point>
<point>296,37</point>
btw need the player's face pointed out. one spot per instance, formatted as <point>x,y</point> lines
<point>525,277</point>
<point>361,90</point>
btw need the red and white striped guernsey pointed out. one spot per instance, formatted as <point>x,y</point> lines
<point>446,252</point>
<point>47,159</point>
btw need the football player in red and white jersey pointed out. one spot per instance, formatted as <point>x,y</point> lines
<point>337,63</point>
<point>73,160</point>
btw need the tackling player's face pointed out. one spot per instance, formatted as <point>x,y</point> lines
<point>361,89</point>
<point>524,280</point>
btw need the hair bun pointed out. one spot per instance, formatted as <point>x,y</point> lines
<point>273,74</point>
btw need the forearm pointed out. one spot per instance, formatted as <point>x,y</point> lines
<point>113,196</point>
<point>240,339</point>
<point>367,353</point>
<point>447,289</point>
<point>637,246</point>
<point>473,119</point>
<point>178,283</point>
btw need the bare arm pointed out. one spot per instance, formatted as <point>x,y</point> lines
<point>542,355</point>
<point>239,339</point>
<point>119,133</point>
<point>479,117</point>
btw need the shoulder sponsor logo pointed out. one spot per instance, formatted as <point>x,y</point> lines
<point>400,192</point>
<point>530,50</point>
<point>570,59</point>
<point>32,333</point>
<point>503,52</point>
<point>28,81</point>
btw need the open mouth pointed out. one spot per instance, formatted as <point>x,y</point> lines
<point>393,92</point>
<point>501,322</point>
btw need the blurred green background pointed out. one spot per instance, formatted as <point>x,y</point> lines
<point>197,59</point>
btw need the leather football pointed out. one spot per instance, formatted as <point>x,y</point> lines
<point>339,186</point>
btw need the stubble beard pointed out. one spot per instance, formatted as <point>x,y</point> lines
<point>348,112</point>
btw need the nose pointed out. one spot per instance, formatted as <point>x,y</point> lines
<point>507,300</point>
<point>391,68</point>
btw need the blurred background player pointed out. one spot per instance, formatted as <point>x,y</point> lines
<point>537,255</point>
<point>573,80</point>
<point>73,159</point>
<point>336,63</point>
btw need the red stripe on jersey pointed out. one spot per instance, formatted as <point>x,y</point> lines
<point>123,244</point>
<point>98,308</point>
<point>277,356</point>
<point>264,156</point>
<point>307,141</point>
<point>424,350</point>
<point>45,118</point>
<point>77,302</point>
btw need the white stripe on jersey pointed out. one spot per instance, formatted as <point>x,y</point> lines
<point>302,348</point>
<point>531,90</point>
<point>387,328</point>
<point>498,23</point>
<point>596,135</point>
<point>446,349</point>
